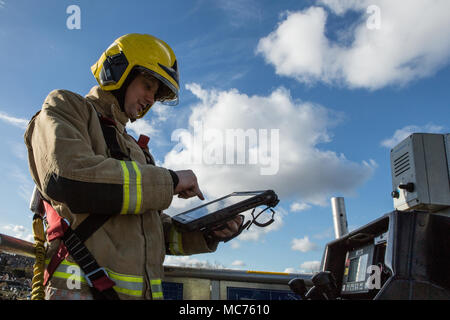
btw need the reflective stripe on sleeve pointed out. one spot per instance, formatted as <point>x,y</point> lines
<point>157,290</point>
<point>176,242</point>
<point>132,187</point>
<point>127,284</point>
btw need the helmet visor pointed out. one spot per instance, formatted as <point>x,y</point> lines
<point>167,93</point>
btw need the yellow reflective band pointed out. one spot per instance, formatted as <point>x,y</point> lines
<point>132,187</point>
<point>129,292</point>
<point>180,243</point>
<point>68,263</point>
<point>138,188</point>
<point>157,295</point>
<point>176,242</point>
<point>124,277</point>
<point>64,275</point>
<point>126,188</point>
<point>156,287</point>
<point>125,284</point>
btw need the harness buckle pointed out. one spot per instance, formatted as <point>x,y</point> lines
<point>87,276</point>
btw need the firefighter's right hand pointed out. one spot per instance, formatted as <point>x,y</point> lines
<point>187,186</point>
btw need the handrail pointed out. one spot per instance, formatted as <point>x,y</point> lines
<point>236,275</point>
<point>16,246</point>
<point>25,248</point>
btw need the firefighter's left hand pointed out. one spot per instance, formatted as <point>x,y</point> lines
<point>231,228</point>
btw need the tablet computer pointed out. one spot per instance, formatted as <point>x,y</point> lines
<point>218,211</point>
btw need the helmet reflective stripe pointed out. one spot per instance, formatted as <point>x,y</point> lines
<point>138,50</point>
<point>127,284</point>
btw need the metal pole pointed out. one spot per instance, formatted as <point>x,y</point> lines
<point>339,216</point>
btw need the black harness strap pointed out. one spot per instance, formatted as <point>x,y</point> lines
<point>109,133</point>
<point>74,242</point>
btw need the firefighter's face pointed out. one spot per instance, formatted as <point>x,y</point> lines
<point>140,93</point>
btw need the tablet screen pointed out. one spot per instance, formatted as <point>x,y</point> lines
<point>206,209</point>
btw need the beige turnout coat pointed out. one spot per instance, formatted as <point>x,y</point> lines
<point>71,166</point>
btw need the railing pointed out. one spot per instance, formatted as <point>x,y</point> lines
<point>199,283</point>
<point>16,246</point>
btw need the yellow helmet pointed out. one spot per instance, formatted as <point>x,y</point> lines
<point>145,52</point>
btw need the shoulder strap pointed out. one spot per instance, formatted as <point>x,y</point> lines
<point>109,133</point>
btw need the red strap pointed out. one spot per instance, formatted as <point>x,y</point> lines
<point>107,121</point>
<point>103,283</point>
<point>57,225</point>
<point>57,258</point>
<point>56,229</point>
<point>143,141</point>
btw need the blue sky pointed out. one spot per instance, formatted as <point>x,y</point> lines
<point>340,81</point>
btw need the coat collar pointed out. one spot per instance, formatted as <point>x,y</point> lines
<point>106,103</point>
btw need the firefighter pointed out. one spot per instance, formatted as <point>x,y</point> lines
<point>103,194</point>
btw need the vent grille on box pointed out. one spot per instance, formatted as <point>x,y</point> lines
<point>401,164</point>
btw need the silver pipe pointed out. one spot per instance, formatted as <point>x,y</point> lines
<point>236,275</point>
<point>339,216</point>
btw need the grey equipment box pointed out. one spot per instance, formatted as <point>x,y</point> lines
<point>420,172</point>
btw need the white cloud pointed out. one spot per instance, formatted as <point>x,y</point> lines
<point>328,233</point>
<point>160,112</point>
<point>19,150</point>
<point>23,181</point>
<point>339,7</point>
<point>304,170</point>
<point>142,126</point>
<point>18,122</point>
<point>238,263</point>
<point>17,231</point>
<point>310,266</point>
<point>306,267</point>
<point>2,4</point>
<point>303,245</point>
<point>403,133</point>
<point>235,244</point>
<point>299,206</point>
<point>406,47</point>
<point>240,11</point>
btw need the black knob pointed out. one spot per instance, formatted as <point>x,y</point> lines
<point>408,187</point>
<point>395,194</point>
<point>298,286</point>
<point>326,283</point>
<point>315,294</point>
